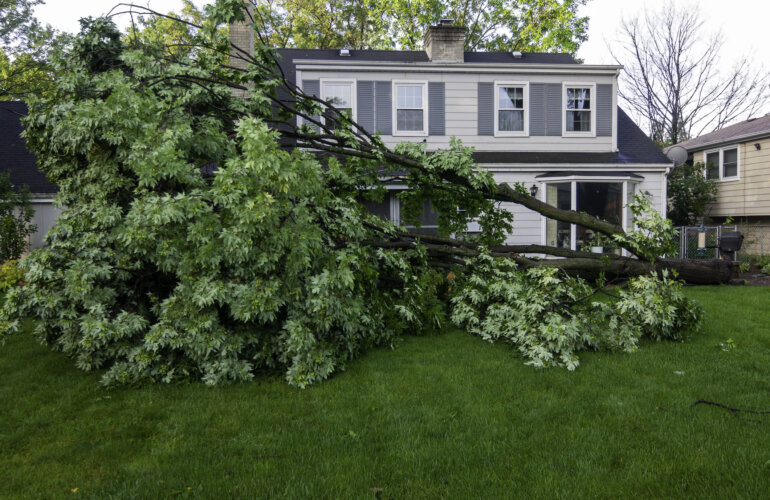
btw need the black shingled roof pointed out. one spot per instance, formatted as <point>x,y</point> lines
<point>14,156</point>
<point>633,144</point>
<point>419,56</point>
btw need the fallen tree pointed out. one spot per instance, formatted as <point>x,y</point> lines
<point>199,242</point>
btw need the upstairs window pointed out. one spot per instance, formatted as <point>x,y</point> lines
<point>339,94</point>
<point>510,109</point>
<point>579,110</point>
<point>722,164</point>
<point>411,108</point>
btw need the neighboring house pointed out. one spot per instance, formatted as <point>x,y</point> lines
<point>16,160</point>
<point>738,158</point>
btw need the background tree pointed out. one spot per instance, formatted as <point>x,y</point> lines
<point>24,48</point>
<point>16,213</point>
<point>504,25</point>
<point>674,79</point>
<point>690,194</point>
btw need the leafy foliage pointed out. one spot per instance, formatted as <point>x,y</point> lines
<point>689,193</point>
<point>549,317</point>
<point>658,307</point>
<point>24,47</point>
<point>652,236</point>
<point>198,243</point>
<point>525,25</point>
<point>10,275</point>
<point>16,213</point>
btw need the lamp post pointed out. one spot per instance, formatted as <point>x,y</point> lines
<point>700,253</point>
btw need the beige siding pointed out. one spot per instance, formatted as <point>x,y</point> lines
<point>749,195</point>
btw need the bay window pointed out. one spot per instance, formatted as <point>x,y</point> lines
<point>603,198</point>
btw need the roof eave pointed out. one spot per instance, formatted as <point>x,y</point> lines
<point>723,142</point>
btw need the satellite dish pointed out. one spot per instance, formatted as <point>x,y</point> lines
<point>677,154</point>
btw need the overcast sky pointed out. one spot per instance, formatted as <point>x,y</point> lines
<point>744,22</point>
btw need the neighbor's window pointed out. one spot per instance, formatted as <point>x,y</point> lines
<point>730,162</point>
<point>511,118</point>
<point>722,164</point>
<point>410,104</point>
<point>340,95</point>
<point>579,108</point>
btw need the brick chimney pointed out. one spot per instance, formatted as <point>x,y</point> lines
<point>242,36</point>
<point>445,42</point>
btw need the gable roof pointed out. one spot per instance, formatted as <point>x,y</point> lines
<point>419,56</point>
<point>14,156</point>
<point>753,127</point>
<point>634,148</point>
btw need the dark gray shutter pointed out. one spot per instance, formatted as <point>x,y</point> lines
<point>312,87</point>
<point>553,111</point>
<point>383,107</point>
<point>436,112</point>
<point>604,110</point>
<point>486,117</point>
<point>537,109</point>
<point>365,105</point>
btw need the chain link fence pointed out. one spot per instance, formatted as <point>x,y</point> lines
<point>688,241</point>
<point>756,241</point>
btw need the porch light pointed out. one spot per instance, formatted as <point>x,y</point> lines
<point>533,190</point>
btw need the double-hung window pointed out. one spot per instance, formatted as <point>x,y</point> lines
<point>410,108</point>
<point>511,110</point>
<point>722,164</point>
<point>341,95</point>
<point>579,110</point>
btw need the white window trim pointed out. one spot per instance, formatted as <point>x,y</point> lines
<point>511,133</point>
<point>394,116</point>
<point>721,152</point>
<point>582,85</point>
<point>353,93</point>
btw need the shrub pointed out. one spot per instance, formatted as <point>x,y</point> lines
<point>10,275</point>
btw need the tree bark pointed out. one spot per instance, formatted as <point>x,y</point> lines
<point>590,266</point>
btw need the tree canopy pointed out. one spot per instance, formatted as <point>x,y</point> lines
<point>496,25</point>
<point>24,48</point>
<point>198,241</point>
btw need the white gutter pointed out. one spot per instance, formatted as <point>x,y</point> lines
<point>429,67</point>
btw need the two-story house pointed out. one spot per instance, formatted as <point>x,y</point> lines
<point>738,159</point>
<point>534,118</point>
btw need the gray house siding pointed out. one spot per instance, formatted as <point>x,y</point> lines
<point>469,109</point>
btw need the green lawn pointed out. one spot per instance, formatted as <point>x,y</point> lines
<point>441,416</point>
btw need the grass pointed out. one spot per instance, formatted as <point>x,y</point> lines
<point>441,416</point>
